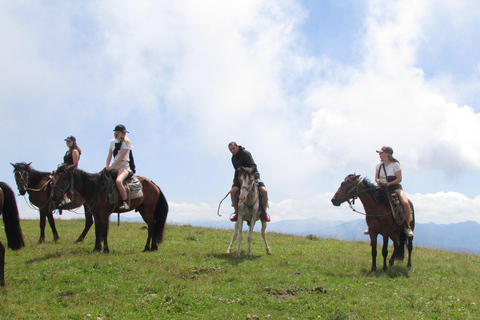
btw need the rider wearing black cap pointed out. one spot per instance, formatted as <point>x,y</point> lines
<point>120,148</point>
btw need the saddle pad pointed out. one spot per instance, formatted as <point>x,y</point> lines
<point>135,187</point>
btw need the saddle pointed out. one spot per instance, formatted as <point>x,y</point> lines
<point>396,207</point>
<point>132,185</point>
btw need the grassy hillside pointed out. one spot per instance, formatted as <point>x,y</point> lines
<point>190,277</point>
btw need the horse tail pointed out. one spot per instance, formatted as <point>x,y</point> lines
<point>160,216</point>
<point>11,219</point>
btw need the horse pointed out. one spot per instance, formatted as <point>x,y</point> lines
<point>39,187</point>
<point>249,210</point>
<point>379,218</point>
<point>152,205</point>
<point>8,207</point>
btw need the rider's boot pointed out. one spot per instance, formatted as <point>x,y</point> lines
<point>264,215</point>
<point>124,206</point>
<point>235,214</point>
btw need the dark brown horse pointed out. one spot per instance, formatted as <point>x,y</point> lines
<point>39,187</point>
<point>8,207</point>
<point>379,218</point>
<point>152,206</point>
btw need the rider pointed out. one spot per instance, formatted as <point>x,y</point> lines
<point>70,159</point>
<point>243,158</point>
<point>120,147</point>
<point>388,172</point>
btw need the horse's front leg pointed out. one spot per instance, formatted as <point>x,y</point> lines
<point>373,243</point>
<point>385,252</point>
<point>239,227</point>
<point>264,226</point>
<point>98,235</point>
<point>234,236</point>
<point>43,218</point>
<point>2,265</point>
<point>250,236</point>
<point>88,225</point>
<point>105,237</point>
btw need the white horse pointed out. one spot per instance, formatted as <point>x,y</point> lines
<point>248,210</point>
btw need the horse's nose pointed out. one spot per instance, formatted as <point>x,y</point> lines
<point>335,202</point>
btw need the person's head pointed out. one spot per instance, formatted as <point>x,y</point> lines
<point>386,152</point>
<point>120,133</point>
<point>233,147</point>
<point>71,142</point>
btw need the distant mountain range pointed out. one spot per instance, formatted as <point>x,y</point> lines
<point>461,237</point>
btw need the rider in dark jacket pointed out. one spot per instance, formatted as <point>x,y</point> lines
<point>243,158</point>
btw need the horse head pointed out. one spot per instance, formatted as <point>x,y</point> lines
<point>62,181</point>
<point>247,182</point>
<point>22,172</point>
<point>348,189</point>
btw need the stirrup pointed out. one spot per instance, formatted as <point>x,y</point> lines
<point>124,206</point>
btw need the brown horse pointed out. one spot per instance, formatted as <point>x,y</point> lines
<point>379,218</point>
<point>249,210</point>
<point>39,187</point>
<point>152,206</point>
<point>8,207</point>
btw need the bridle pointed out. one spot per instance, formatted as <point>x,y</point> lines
<point>344,192</point>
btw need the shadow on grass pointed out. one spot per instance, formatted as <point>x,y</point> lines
<point>396,271</point>
<point>44,258</point>
<point>230,257</point>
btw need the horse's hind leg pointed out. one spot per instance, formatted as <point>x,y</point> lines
<point>51,222</point>
<point>410,247</point>
<point>2,265</point>
<point>250,235</point>
<point>264,226</point>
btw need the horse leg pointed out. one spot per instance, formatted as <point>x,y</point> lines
<point>98,235</point>
<point>2,265</point>
<point>264,226</point>
<point>410,247</point>
<point>105,237</point>
<point>250,235</point>
<point>51,222</point>
<point>234,236</point>
<point>239,226</point>
<point>88,225</point>
<point>150,239</point>
<point>373,243</point>
<point>385,252</point>
<point>42,227</point>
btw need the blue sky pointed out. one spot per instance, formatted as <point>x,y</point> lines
<point>311,88</point>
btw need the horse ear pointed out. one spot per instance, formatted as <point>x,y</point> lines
<point>28,165</point>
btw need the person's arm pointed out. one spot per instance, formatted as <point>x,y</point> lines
<point>377,177</point>
<point>109,158</point>
<point>398,179</point>
<point>119,159</point>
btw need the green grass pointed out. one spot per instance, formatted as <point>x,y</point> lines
<point>191,277</point>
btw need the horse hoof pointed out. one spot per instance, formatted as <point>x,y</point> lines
<point>269,252</point>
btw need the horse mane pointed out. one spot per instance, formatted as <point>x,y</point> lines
<point>92,182</point>
<point>378,194</point>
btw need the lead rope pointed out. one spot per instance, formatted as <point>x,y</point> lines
<point>218,210</point>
